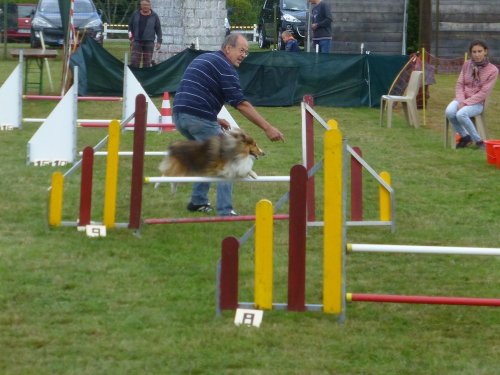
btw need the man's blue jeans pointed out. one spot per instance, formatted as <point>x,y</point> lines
<point>324,45</point>
<point>461,119</point>
<point>199,129</point>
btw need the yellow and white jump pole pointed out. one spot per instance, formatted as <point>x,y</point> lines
<point>264,227</point>
<point>111,184</point>
<point>333,223</point>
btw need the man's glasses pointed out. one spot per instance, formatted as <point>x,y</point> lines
<point>243,51</point>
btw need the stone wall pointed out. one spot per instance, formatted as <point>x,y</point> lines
<point>190,23</point>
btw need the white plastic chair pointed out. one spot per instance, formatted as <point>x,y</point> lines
<point>408,101</point>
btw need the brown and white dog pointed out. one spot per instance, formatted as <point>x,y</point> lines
<point>230,155</point>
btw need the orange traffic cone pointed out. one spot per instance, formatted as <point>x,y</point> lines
<point>166,113</point>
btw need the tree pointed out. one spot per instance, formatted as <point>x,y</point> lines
<point>243,12</point>
<point>116,11</point>
<point>425,28</point>
<point>412,44</point>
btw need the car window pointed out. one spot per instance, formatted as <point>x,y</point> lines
<point>83,7</point>
<point>52,6</point>
<point>24,11</point>
<point>49,6</point>
<point>295,4</point>
<point>269,4</point>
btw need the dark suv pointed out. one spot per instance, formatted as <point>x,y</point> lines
<point>47,21</point>
<point>279,15</point>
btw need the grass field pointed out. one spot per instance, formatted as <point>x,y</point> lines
<point>127,304</point>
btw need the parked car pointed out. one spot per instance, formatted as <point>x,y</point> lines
<point>47,22</point>
<point>18,21</point>
<point>277,16</point>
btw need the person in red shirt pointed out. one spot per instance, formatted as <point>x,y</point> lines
<point>477,79</point>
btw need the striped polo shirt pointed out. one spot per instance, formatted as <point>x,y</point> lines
<point>470,92</point>
<point>208,82</point>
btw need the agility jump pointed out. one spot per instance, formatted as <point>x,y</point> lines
<point>138,179</point>
<point>135,213</point>
<point>334,253</point>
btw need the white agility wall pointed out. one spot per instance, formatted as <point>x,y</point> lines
<point>224,114</point>
<point>11,100</point>
<point>131,89</point>
<point>54,143</point>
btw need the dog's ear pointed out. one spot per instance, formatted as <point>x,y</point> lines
<point>238,133</point>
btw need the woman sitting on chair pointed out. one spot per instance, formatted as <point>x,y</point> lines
<point>476,80</point>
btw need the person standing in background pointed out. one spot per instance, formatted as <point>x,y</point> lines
<point>227,26</point>
<point>321,26</point>
<point>143,28</point>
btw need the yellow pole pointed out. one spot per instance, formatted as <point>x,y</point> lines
<point>348,297</point>
<point>264,255</point>
<point>423,85</point>
<point>385,198</point>
<point>111,174</point>
<point>332,229</point>
<point>56,199</point>
<point>333,124</point>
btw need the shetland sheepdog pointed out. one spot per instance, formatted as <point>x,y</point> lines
<point>230,155</point>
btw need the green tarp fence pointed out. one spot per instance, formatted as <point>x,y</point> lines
<point>274,78</point>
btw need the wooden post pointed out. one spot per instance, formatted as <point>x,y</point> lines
<point>86,186</point>
<point>297,239</point>
<point>138,162</point>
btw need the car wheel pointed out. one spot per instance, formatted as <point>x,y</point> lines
<point>263,43</point>
<point>34,42</point>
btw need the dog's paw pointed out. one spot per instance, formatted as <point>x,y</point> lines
<point>173,187</point>
<point>253,175</point>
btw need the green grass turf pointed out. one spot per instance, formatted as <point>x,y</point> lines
<point>128,304</point>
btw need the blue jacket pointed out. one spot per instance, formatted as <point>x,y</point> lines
<point>322,16</point>
<point>152,29</point>
<point>292,46</point>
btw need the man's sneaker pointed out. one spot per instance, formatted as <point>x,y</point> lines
<point>199,207</point>
<point>464,142</point>
<point>230,213</point>
<point>480,145</point>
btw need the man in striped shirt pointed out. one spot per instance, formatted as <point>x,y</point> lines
<point>208,82</point>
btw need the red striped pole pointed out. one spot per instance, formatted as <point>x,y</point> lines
<point>229,274</point>
<point>98,124</point>
<point>209,219</point>
<point>79,98</point>
<point>297,239</point>
<point>86,186</point>
<point>427,300</point>
<point>356,187</point>
<point>311,198</point>
<point>138,162</point>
